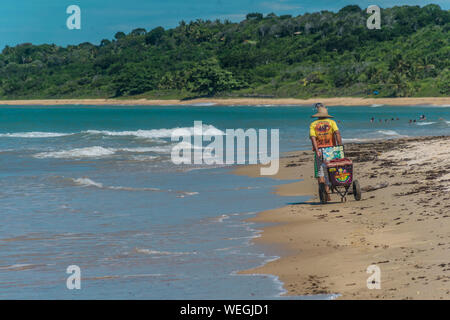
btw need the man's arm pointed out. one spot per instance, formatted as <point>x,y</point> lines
<point>312,136</point>
<point>315,147</point>
<point>338,138</point>
<point>337,133</point>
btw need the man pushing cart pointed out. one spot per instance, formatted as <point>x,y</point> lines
<point>333,171</point>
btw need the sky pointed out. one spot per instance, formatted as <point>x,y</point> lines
<point>44,21</point>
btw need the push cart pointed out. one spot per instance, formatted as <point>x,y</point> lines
<point>340,175</point>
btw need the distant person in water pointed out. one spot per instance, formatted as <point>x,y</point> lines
<point>372,119</point>
<point>422,117</point>
<point>323,133</point>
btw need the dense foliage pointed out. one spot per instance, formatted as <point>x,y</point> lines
<point>314,54</point>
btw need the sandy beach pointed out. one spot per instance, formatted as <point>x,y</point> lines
<point>439,101</point>
<point>402,224</point>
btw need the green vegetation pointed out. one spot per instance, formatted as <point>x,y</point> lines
<point>315,54</point>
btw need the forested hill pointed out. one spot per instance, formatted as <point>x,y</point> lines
<point>314,54</point>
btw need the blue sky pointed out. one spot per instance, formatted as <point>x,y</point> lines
<point>44,21</point>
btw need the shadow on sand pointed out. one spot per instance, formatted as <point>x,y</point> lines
<point>312,203</point>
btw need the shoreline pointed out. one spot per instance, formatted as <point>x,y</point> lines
<point>345,101</point>
<point>400,225</point>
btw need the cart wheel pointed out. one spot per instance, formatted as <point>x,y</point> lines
<point>322,193</point>
<point>356,190</point>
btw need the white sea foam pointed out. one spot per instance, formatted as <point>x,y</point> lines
<point>34,134</point>
<point>86,182</point>
<point>376,105</point>
<point>98,152</point>
<point>89,152</point>
<point>143,158</point>
<point>19,267</point>
<point>187,193</point>
<point>425,123</point>
<point>388,132</point>
<point>222,218</point>
<point>203,104</point>
<point>141,133</point>
<point>157,149</point>
<point>136,150</point>
<point>157,133</point>
<point>160,253</point>
<point>375,135</point>
<point>438,105</point>
<point>182,194</point>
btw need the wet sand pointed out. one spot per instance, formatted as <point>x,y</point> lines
<point>240,101</point>
<point>401,224</point>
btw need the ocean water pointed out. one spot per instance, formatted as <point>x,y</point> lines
<point>94,187</point>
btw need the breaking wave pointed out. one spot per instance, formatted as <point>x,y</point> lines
<point>89,152</point>
<point>158,133</point>
<point>97,152</point>
<point>34,134</point>
<point>141,133</point>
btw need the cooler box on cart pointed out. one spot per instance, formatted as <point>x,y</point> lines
<point>340,171</point>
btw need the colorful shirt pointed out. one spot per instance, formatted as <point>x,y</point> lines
<point>323,130</point>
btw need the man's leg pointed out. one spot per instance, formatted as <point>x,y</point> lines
<point>327,188</point>
<point>321,173</point>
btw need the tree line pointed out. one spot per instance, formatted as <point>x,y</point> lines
<point>315,54</point>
